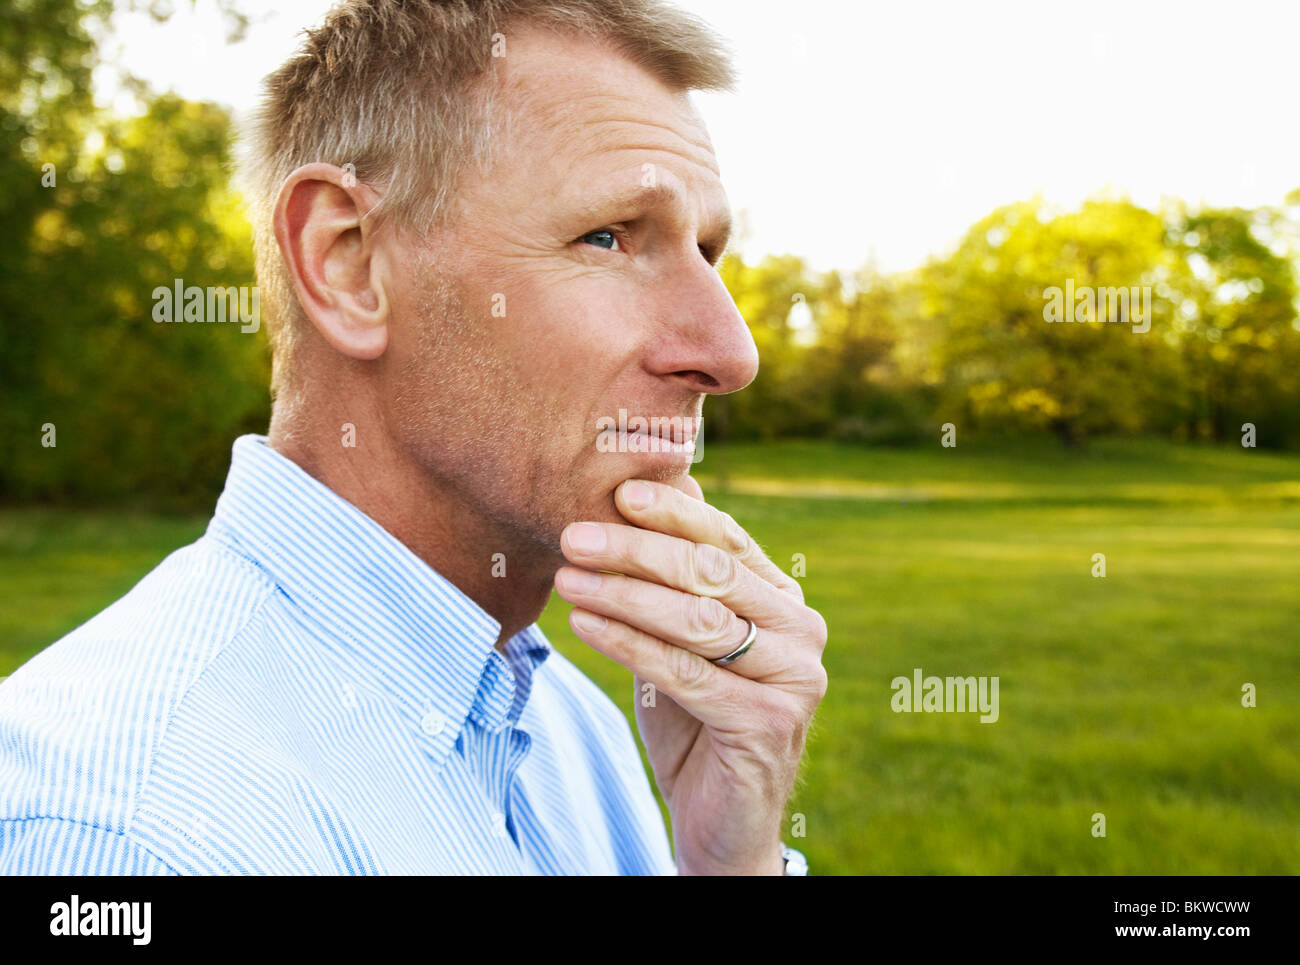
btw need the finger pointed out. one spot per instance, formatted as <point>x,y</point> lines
<point>698,568</point>
<point>714,696</point>
<point>665,509</point>
<point>688,485</point>
<point>697,623</point>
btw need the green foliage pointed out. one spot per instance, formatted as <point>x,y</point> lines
<point>1003,366</point>
<point>966,339</point>
<point>844,376</point>
<point>1239,341</point>
<point>140,409</point>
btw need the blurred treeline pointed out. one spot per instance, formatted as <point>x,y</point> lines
<point>139,409</point>
<point>890,358</point>
<point>99,209</point>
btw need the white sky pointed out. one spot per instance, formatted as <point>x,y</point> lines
<point>881,130</point>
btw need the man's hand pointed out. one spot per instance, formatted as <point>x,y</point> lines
<point>724,742</point>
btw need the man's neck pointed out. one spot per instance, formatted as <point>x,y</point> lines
<point>509,581</point>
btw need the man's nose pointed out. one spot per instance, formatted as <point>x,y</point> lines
<point>704,340</point>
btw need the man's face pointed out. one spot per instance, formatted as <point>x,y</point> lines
<point>575,282</point>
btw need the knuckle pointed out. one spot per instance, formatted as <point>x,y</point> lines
<point>734,537</point>
<point>819,629</point>
<point>714,568</point>
<point>809,690</point>
<point>820,681</point>
<point>707,619</point>
<point>690,670</point>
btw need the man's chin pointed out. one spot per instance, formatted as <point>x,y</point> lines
<point>602,508</point>
<point>608,509</point>
<point>677,476</point>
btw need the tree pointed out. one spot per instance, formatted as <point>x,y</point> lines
<point>130,204</point>
<point>1005,366</point>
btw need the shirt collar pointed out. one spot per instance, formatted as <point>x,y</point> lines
<point>432,646</point>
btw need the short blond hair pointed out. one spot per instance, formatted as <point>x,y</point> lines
<point>393,88</point>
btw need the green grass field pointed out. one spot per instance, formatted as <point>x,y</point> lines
<point>1119,695</point>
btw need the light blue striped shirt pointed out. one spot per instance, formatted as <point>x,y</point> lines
<point>298,693</point>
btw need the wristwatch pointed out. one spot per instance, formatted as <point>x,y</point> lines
<point>795,862</point>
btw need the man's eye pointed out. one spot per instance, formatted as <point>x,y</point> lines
<point>602,239</point>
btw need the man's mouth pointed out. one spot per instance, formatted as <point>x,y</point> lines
<point>670,435</point>
<point>646,441</point>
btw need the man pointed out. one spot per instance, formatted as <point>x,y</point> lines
<point>484,228</point>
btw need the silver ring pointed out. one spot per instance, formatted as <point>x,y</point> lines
<point>740,650</point>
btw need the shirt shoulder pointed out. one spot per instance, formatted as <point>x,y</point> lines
<point>56,846</point>
<point>81,723</point>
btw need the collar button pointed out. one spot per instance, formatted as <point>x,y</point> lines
<point>433,723</point>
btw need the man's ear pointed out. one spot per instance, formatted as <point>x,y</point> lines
<point>339,272</point>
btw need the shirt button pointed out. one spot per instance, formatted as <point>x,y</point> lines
<point>433,723</point>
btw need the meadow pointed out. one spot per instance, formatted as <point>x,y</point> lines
<point>1119,695</point>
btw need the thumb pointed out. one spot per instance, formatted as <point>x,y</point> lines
<point>686,484</point>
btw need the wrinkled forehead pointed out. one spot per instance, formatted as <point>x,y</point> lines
<point>571,96</point>
<point>589,135</point>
